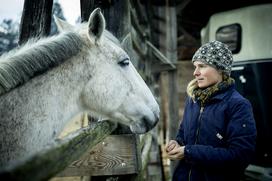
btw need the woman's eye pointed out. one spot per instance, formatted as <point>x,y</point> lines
<point>124,62</point>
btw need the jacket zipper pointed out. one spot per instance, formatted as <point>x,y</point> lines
<point>198,124</point>
<point>197,133</point>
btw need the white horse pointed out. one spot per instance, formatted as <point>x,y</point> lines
<point>44,84</point>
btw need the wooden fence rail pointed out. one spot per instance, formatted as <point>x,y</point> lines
<point>57,157</point>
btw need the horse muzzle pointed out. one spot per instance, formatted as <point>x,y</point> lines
<point>144,125</point>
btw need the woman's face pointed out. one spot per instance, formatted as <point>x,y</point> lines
<point>206,75</point>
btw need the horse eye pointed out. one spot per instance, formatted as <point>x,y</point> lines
<point>124,62</point>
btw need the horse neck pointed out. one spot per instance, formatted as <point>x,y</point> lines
<point>70,79</point>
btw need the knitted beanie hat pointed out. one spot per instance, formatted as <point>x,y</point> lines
<point>215,54</point>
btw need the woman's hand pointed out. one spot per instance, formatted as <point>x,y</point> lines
<point>171,145</point>
<point>174,150</point>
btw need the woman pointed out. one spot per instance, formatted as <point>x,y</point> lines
<point>216,139</point>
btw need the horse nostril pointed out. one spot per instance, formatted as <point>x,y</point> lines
<point>149,124</point>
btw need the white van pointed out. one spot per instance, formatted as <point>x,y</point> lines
<point>248,32</point>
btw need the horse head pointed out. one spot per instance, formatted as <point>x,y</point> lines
<point>115,90</point>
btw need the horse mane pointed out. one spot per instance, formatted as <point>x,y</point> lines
<point>37,56</point>
<point>19,65</point>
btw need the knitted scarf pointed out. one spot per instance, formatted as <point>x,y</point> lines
<point>205,95</point>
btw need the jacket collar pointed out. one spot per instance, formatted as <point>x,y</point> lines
<point>223,94</point>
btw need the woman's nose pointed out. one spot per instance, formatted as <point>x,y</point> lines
<point>196,72</point>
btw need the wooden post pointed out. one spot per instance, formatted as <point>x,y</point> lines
<point>86,7</point>
<point>117,15</point>
<point>145,145</point>
<point>171,53</point>
<point>168,45</point>
<point>118,19</point>
<point>36,19</point>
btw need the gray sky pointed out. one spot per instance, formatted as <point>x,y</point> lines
<point>13,9</point>
<point>10,9</point>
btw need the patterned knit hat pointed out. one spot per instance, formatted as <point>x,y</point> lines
<point>215,54</point>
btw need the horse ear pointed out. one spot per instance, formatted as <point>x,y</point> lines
<point>62,25</point>
<point>126,43</point>
<point>96,25</point>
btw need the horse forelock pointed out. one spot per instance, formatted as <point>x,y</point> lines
<point>33,58</point>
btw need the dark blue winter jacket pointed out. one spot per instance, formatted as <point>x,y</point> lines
<point>219,139</point>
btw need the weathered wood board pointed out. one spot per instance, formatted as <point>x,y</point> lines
<point>116,155</point>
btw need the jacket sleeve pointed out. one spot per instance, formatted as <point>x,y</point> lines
<point>240,137</point>
<point>180,135</point>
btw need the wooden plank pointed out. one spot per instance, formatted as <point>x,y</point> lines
<point>116,155</point>
<point>160,67</point>
<point>57,157</point>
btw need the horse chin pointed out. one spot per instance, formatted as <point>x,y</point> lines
<point>138,129</point>
<point>142,127</point>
